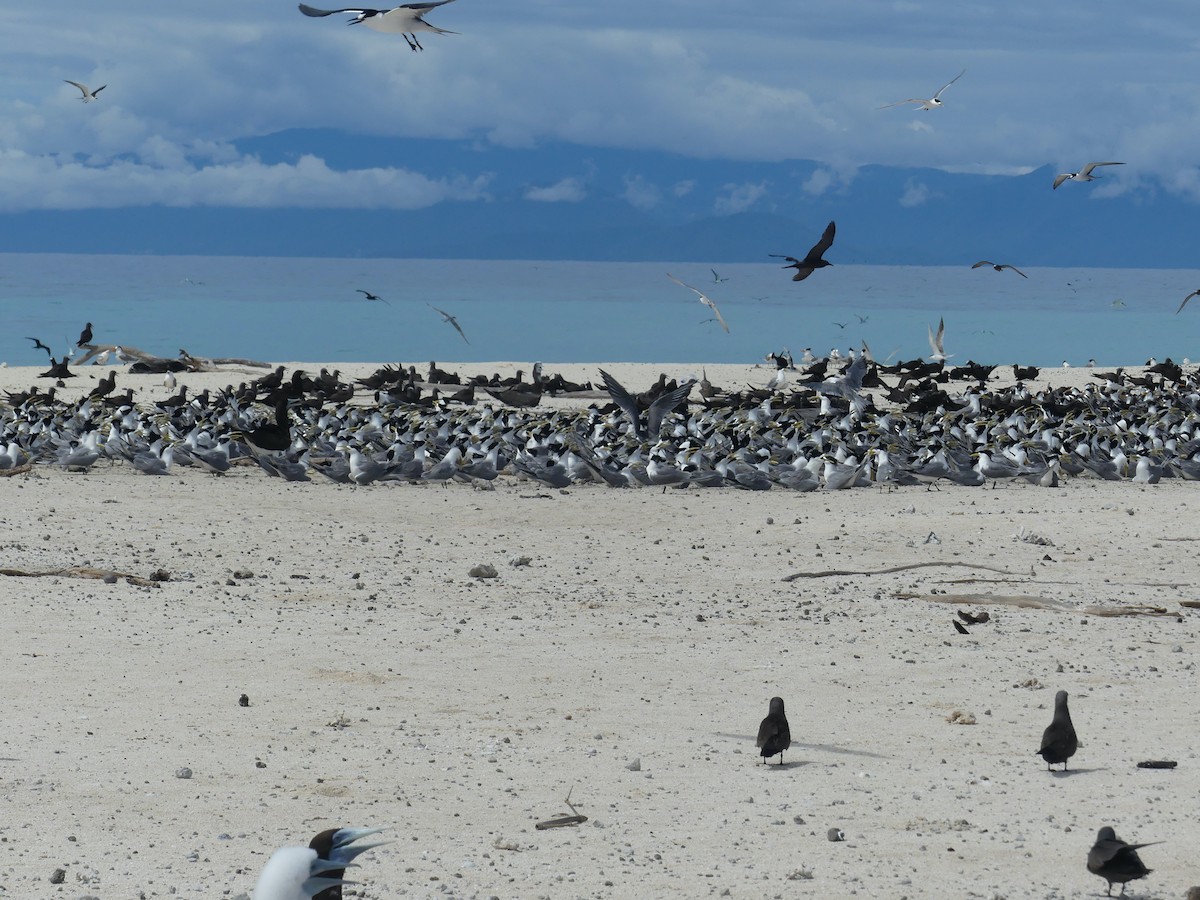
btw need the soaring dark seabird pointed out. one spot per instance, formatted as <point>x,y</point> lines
<point>813,261</point>
<point>1116,861</point>
<point>774,735</point>
<point>405,20</point>
<point>1058,740</point>
<point>371,296</point>
<point>999,267</point>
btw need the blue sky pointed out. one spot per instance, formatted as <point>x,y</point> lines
<point>1058,84</point>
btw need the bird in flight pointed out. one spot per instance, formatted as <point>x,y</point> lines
<point>717,278</point>
<point>704,298</point>
<point>1084,174</point>
<point>446,317</point>
<point>371,296</point>
<point>936,342</point>
<point>38,345</point>
<point>933,102</point>
<point>999,267</point>
<point>1177,312</point>
<point>88,94</point>
<point>405,20</point>
<point>813,261</point>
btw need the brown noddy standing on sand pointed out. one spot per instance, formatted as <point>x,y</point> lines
<point>1058,740</point>
<point>1116,861</point>
<point>774,736</point>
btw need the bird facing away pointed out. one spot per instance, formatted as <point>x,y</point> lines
<point>1116,861</point>
<point>405,20</point>
<point>999,267</point>
<point>371,296</point>
<point>933,102</point>
<point>1177,312</point>
<point>85,336</point>
<point>315,871</point>
<point>446,317</point>
<point>937,342</point>
<point>774,736</point>
<point>648,428</point>
<point>813,261</point>
<point>88,94</point>
<point>704,298</point>
<point>1084,174</point>
<point>1058,740</point>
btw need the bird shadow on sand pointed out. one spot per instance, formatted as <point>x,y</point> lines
<point>1059,773</point>
<point>833,748</point>
<point>789,764</point>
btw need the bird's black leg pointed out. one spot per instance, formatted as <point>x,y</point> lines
<point>417,42</point>
<point>411,45</point>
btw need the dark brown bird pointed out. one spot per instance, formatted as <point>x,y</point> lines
<point>999,267</point>
<point>85,336</point>
<point>774,736</point>
<point>1058,740</point>
<point>1116,861</point>
<point>813,261</point>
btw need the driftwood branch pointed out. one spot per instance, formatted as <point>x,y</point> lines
<point>192,363</point>
<point>81,572</point>
<point>921,565</point>
<point>1029,601</point>
<point>15,470</point>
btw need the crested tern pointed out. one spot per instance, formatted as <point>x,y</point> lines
<point>933,102</point>
<point>1084,174</point>
<point>704,298</point>
<point>446,317</point>
<point>936,342</point>
<point>300,873</point>
<point>88,94</point>
<point>999,267</point>
<point>813,260</point>
<point>405,20</point>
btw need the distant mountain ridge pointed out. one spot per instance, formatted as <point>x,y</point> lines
<point>625,205</point>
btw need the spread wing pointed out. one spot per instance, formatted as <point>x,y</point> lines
<point>823,244</point>
<point>1059,179</point>
<point>1087,170</point>
<point>948,83</point>
<point>1177,312</point>
<point>901,102</point>
<point>86,92</point>
<point>318,13</point>
<point>704,298</point>
<point>983,262</point>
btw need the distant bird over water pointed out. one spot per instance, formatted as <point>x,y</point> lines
<point>1058,740</point>
<point>999,267</point>
<point>704,298</point>
<point>1084,174</point>
<point>774,735</point>
<point>1177,312</point>
<point>371,296</point>
<point>405,20</point>
<point>813,261</point>
<point>88,94</point>
<point>933,102</point>
<point>453,320</point>
<point>1116,861</point>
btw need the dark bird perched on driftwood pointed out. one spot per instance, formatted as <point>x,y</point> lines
<point>1058,740</point>
<point>813,261</point>
<point>774,736</point>
<point>85,336</point>
<point>1116,861</point>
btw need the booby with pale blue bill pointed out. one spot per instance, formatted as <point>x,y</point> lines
<point>405,20</point>
<point>313,872</point>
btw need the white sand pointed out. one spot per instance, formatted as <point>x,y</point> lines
<point>648,625</point>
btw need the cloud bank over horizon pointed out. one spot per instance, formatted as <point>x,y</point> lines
<point>1062,86</point>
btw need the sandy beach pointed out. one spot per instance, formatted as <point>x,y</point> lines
<point>624,655</point>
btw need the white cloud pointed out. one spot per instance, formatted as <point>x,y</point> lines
<point>640,193</point>
<point>915,193</point>
<point>43,182</point>
<point>566,190</point>
<point>739,198</point>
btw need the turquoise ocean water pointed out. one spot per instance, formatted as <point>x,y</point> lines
<point>307,309</point>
